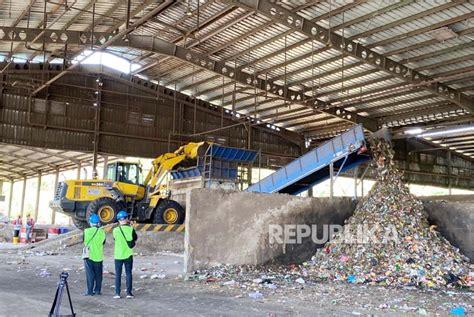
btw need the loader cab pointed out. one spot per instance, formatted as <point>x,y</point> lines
<point>125,172</point>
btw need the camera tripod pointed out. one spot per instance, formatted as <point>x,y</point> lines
<point>54,312</point>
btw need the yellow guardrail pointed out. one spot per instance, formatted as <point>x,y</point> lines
<point>148,227</point>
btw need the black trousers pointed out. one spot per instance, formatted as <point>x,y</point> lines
<point>93,276</point>
<point>128,263</point>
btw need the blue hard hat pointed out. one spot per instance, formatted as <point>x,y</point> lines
<point>94,219</point>
<point>122,215</point>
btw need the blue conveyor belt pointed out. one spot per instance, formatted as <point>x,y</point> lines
<point>344,151</point>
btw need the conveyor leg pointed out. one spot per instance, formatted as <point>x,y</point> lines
<point>331,180</point>
<point>355,181</point>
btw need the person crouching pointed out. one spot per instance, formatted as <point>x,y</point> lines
<point>94,240</point>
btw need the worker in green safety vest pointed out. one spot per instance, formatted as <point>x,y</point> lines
<point>125,237</point>
<point>93,254</point>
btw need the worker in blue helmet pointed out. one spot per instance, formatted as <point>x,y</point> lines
<point>93,255</point>
<point>125,237</point>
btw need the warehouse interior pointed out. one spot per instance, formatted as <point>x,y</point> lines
<point>260,86</point>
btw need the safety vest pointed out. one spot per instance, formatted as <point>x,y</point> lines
<point>122,251</point>
<point>96,244</point>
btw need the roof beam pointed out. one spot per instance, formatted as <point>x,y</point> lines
<point>385,95</point>
<point>300,123</point>
<point>326,129</point>
<point>384,90</point>
<point>107,42</point>
<point>355,86</point>
<point>437,53</point>
<point>361,52</point>
<point>27,159</point>
<point>200,82</point>
<point>424,30</point>
<point>418,45</point>
<point>291,111</point>
<point>433,108</point>
<point>294,117</point>
<point>410,18</point>
<point>222,68</point>
<point>12,172</point>
<point>450,139</point>
<point>337,27</point>
<point>396,103</point>
<point>371,15</point>
<point>23,167</point>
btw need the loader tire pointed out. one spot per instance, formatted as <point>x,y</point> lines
<point>106,208</point>
<point>80,224</point>
<point>169,212</point>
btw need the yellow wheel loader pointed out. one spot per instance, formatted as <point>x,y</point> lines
<point>123,188</point>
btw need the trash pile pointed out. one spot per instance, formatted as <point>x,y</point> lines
<point>388,240</point>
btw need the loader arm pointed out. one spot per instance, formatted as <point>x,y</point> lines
<point>164,163</point>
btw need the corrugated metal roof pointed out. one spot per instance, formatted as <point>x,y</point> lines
<point>399,29</point>
<point>19,162</point>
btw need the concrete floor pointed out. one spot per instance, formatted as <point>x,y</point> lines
<point>23,292</point>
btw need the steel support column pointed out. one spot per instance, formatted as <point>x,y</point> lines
<point>97,118</point>
<point>331,180</point>
<point>249,146</point>
<point>56,182</point>
<point>10,199</point>
<point>449,174</point>
<point>356,171</point>
<point>38,191</point>
<point>23,195</point>
<point>106,161</point>
<point>79,166</point>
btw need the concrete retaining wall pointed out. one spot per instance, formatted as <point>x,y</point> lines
<point>233,227</point>
<point>454,216</point>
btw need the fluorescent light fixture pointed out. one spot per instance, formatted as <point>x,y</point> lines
<point>442,34</point>
<point>414,131</point>
<point>449,131</point>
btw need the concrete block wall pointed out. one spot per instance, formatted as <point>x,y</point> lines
<point>454,216</point>
<point>233,227</point>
